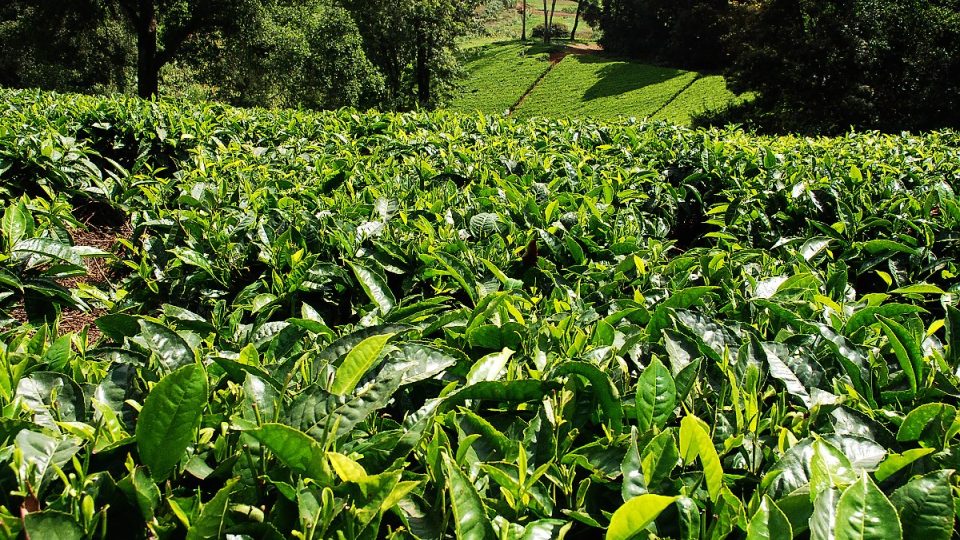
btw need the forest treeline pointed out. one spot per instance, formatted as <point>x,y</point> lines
<point>390,54</point>
<point>820,66</point>
<point>816,66</point>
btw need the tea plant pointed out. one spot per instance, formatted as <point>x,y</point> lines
<point>355,325</point>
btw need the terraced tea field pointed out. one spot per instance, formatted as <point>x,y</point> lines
<point>529,81</point>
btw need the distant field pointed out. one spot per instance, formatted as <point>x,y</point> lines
<point>706,93</point>
<point>595,87</point>
<point>509,23</point>
<point>583,85</point>
<point>499,76</point>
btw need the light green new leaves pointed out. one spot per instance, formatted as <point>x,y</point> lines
<point>635,515</point>
<point>17,223</point>
<point>169,419</point>
<point>656,396</point>
<point>491,367</point>
<point>829,468</point>
<point>659,458</point>
<point>468,510</point>
<point>358,362</point>
<point>695,442</point>
<point>864,512</point>
<point>769,523</point>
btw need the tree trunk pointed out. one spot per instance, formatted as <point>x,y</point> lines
<point>553,10</point>
<point>546,23</point>
<point>523,22</point>
<point>576,21</point>
<point>148,76</point>
<point>423,68</point>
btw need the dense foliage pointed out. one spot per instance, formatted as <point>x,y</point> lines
<point>425,325</point>
<point>814,66</point>
<point>826,65</point>
<point>685,33</point>
<point>274,53</point>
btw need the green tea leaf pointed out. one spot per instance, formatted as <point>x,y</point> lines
<point>906,349</point>
<point>167,345</point>
<point>865,512</point>
<point>660,457</point>
<point>491,367</point>
<point>212,518</point>
<point>897,462</point>
<point>169,419</point>
<point>769,523</point>
<point>926,506</point>
<point>952,322</point>
<point>468,509</point>
<point>603,388</point>
<point>357,363</point>
<point>375,286</point>
<point>52,525</point>
<point>656,396</point>
<point>635,515</point>
<point>695,442</point>
<point>294,448</point>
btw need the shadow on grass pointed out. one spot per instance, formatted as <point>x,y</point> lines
<point>621,77</point>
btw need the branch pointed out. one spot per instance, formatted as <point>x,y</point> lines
<point>175,38</point>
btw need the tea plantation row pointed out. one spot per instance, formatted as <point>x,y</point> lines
<point>360,325</point>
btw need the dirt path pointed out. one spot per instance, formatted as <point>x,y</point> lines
<point>555,58</point>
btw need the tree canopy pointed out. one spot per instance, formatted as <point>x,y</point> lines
<point>315,53</point>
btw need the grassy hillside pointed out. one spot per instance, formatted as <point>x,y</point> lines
<point>499,75</point>
<point>582,85</point>
<point>220,322</point>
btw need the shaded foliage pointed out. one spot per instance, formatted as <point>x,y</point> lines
<point>827,65</point>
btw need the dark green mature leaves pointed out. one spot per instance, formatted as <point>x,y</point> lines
<point>906,349</point>
<point>865,512</point>
<point>211,521</point>
<point>926,506</point>
<point>469,512</point>
<point>375,286</point>
<point>656,396</point>
<point>172,351</point>
<point>52,525</point>
<point>169,419</point>
<point>603,389</point>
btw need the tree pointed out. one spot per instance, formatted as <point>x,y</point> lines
<point>687,33</point>
<point>412,42</point>
<point>826,65</point>
<point>162,28</point>
<point>73,45</point>
<point>546,23</point>
<point>296,54</point>
<point>523,20</point>
<point>576,20</point>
